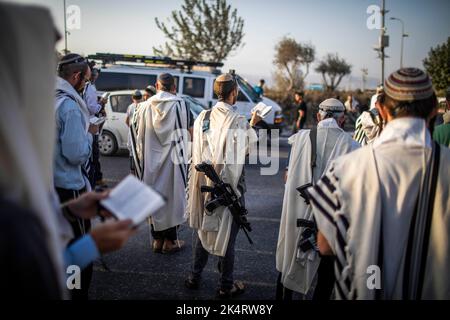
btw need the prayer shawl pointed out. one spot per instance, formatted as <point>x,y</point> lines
<point>163,152</point>
<point>135,147</point>
<point>299,272</point>
<point>367,127</point>
<point>27,128</point>
<point>225,144</point>
<point>364,207</point>
<point>64,90</point>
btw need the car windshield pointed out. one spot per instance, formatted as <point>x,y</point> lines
<point>248,89</point>
<point>195,106</point>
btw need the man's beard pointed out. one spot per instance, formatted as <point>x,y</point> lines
<point>78,87</point>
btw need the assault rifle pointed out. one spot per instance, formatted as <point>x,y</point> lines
<point>223,195</point>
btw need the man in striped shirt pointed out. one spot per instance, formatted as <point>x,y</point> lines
<point>383,209</point>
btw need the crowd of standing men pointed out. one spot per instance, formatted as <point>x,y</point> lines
<point>344,205</point>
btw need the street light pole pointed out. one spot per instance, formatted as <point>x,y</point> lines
<point>384,39</point>
<point>65,29</point>
<point>404,35</point>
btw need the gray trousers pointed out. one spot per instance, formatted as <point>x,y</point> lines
<point>225,265</point>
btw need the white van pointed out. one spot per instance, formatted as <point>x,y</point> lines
<point>197,84</point>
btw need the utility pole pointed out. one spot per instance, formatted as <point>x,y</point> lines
<point>65,28</point>
<point>384,39</point>
<point>404,35</point>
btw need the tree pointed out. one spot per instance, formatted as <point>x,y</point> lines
<point>202,31</point>
<point>335,68</point>
<point>290,56</point>
<point>437,65</point>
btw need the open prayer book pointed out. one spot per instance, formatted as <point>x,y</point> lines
<point>132,199</point>
<point>97,121</point>
<point>262,110</point>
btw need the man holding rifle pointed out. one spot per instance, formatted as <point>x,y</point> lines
<point>216,206</point>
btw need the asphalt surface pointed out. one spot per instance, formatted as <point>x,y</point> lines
<point>135,272</point>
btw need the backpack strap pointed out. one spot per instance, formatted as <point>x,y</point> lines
<point>313,138</point>
<point>206,121</point>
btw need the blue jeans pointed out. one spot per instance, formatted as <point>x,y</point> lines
<point>225,265</point>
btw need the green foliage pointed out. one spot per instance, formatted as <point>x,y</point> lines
<point>437,65</point>
<point>290,56</point>
<point>203,31</point>
<point>335,68</point>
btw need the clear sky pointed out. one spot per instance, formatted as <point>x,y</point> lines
<point>128,26</point>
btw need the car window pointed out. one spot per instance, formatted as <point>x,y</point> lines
<point>242,97</point>
<point>250,92</point>
<point>113,81</point>
<point>120,103</point>
<point>194,105</point>
<point>194,87</point>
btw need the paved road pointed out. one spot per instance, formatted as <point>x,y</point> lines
<point>135,272</point>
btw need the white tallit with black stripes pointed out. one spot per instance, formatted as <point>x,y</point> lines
<point>164,153</point>
<point>298,272</point>
<point>229,133</point>
<point>375,208</point>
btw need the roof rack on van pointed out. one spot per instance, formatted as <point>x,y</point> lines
<point>111,58</point>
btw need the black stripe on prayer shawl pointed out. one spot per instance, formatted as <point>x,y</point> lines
<point>325,190</point>
<point>408,255</point>
<point>344,283</point>
<point>429,215</point>
<point>188,114</point>
<point>139,171</point>
<point>326,198</point>
<point>360,135</point>
<point>419,233</point>
<point>324,212</point>
<point>339,292</point>
<point>343,219</point>
<point>327,182</point>
<point>177,144</point>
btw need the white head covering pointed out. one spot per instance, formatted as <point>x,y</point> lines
<point>27,126</point>
<point>331,108</point>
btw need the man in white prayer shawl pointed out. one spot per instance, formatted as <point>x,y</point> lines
<point>383,210</point>
<point>222,137</point>
<point>311,153</point>
<point>162,141</point>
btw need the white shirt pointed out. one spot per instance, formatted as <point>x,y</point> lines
<point>373,100</point>
<point>90,97</point>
